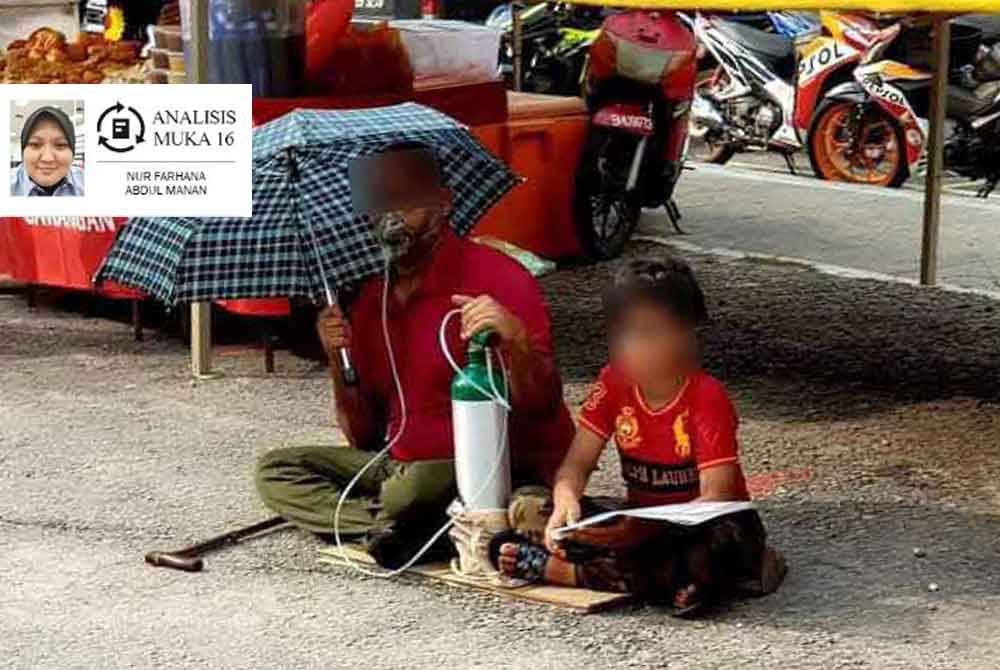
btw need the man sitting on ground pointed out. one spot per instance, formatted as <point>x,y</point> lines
<point>398,503</point>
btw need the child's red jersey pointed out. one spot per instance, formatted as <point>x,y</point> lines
<point>662,451</point>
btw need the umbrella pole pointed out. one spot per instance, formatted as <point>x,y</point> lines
<point>348,373</point>
<point>935,152</point>
<point>201,312</point>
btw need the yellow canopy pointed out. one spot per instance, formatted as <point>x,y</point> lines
<point>894,6</point>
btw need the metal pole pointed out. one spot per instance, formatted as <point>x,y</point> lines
<point>935,152</point>
<point>201,312</point>
<point>516,43</point>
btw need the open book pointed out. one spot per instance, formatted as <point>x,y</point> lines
<point>684,514</point>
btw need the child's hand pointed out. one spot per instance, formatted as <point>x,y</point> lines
<point>566,511</point>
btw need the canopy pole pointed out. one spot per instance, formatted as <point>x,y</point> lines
<point>935,152</point>
<point>198,73</point>
<point>201,339</point>
<point>201,312</point>
<point>517,46</point>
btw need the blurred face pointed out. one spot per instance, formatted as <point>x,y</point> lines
<point>48,156</point>
<point>413,214</point>
<point>652,345</point>
<point>414,229</point>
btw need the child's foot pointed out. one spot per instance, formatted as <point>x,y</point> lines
<point>523,561</point>
<point>517,558</point>
<point>688,602</point>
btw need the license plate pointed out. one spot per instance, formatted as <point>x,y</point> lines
<point>626,118</point>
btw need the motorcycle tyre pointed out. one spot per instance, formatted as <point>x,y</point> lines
<point>588,181</point>
<point>902,171</point>
<point>720,154</point>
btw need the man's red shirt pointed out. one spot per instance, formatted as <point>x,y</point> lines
<point>538,442</point>
<point>663,450</point>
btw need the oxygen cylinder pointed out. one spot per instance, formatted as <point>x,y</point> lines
<point>482,458</point>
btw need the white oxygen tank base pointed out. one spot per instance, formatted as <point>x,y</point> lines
<point>482,458</point>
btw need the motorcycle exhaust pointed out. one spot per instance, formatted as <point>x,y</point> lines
<point>979,124</point>
<point>704,116</point>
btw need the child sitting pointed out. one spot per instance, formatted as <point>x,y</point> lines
<point>675,430</point>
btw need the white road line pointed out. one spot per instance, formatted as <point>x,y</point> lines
<point>825,268</point>
<point>955,185</point>
<point>853,189</point>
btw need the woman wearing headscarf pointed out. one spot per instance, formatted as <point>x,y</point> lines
<point>48,144</point>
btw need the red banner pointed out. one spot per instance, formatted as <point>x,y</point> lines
<point>63,251</point>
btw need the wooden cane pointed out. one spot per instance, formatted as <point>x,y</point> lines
<point>189,559</point>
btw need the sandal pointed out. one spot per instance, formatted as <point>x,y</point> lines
<point>696,603</point>
<point>530,561</point>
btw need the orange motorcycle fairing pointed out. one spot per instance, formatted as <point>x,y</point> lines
<point>877,80</point>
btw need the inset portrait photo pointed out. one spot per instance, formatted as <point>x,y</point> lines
<point>46,148</point>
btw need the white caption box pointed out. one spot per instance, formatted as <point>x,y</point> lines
<point>148,150</point>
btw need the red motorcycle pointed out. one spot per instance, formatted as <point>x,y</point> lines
<point>639,86</point>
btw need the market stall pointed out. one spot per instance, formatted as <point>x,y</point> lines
<point>60,251</point>
<point>450,67</point>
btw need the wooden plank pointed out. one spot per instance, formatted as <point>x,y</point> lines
<point>580,600</point>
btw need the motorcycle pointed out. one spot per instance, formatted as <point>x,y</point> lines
<point>874,129</point>
<point>555,42</point>
<point>765,91</point>
<point>539,26</point>
<point>639,86</point>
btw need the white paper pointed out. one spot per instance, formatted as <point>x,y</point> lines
<point>683,514</point>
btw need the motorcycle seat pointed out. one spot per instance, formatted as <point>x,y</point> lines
<point>989,24</point>
<point>966,105</point>
<point>778,50</point>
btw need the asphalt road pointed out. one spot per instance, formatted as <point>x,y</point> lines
<point>754,205</point>
<point>845,387</point>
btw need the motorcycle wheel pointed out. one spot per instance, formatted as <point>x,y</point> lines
<point>875,157</point>
<point>605,215</point>
<point>710,149</point>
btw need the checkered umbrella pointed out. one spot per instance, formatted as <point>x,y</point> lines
<point>304,236</point>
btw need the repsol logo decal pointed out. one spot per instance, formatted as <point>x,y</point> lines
<point>889,94</point>
<point>827,55</point>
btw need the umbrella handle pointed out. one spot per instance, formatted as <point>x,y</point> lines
<point>347,371</point>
